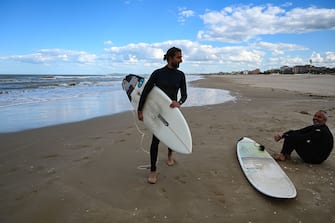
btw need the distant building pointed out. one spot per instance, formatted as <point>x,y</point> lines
<point>286,70</point>
<point>301,69</point>
<point>257,71</point>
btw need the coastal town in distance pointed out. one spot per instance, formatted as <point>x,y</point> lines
<point>298,69</point>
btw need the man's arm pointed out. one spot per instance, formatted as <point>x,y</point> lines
<point>300,133</point>
<point>147,88</point>
<point>183,91</point>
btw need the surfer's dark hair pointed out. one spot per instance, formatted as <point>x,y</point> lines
<point>171,52</point>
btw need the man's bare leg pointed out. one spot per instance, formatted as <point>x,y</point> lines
<point>170,161</point>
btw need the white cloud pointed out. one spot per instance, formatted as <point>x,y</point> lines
<point>194,54</point>
<point>44,56</point>
<point>108,42</point>
<point>278,48</point>
<point>328,58</point>
<point>197,57</point>
<point>183,14</point>
<point>144,51</point>
<point>276,62</point>
<point>316,58</point>
<point>243,23</point>
<point>85,58</point>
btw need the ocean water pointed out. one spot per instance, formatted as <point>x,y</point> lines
<point>34,101</point>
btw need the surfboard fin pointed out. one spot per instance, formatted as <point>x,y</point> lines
<point>261,147</point>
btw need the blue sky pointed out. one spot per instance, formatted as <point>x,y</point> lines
<point>131,36</point>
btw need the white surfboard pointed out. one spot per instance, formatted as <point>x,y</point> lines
<point>262,171</point>
<point>167,124</point>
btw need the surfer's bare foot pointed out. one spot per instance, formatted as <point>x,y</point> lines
<point>170,161</point>
<point>281,157</point>
<point>152,179</point>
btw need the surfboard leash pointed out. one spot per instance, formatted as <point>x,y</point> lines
<point>140,132</point>
<point>144,166</point>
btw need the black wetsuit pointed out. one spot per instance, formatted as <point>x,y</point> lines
<point>170,81</point>
<point>313,143</point>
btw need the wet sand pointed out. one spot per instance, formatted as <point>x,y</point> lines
<point>91,171</point>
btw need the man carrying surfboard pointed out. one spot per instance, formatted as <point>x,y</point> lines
<point>313,143</point>
<point>170,80</point>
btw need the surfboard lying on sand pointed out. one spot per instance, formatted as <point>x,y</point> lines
<point>167,124</point>
<point>262,171</point>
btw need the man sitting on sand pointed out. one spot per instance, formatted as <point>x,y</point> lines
<point>313,143</point>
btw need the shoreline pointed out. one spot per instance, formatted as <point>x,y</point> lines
<point>88,171</point>
<point>74,109</point>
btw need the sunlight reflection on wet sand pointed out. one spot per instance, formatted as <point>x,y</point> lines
<point>35,115</point>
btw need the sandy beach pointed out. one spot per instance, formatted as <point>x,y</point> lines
<point>92,171</point>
